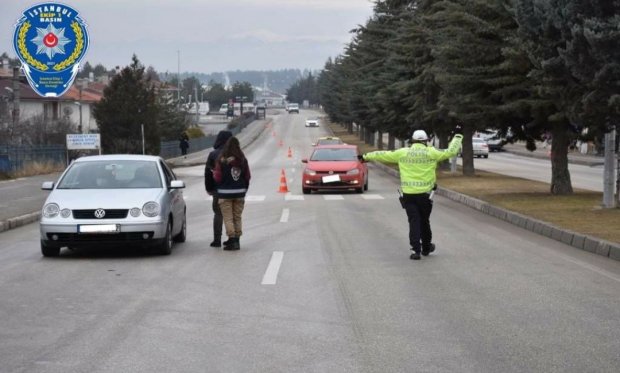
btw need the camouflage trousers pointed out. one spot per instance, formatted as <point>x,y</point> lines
<point>231,212</point>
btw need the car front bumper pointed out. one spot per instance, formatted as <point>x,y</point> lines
<point>66,234</point>
<point>346,182</point>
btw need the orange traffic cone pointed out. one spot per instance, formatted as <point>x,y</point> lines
<point>273,134</point>
<point>290,152</point>
<point>283,187</point>
<point>280,143</point>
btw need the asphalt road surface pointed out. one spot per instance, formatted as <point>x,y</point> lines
<point>323,283</point>
<point>582,177</point>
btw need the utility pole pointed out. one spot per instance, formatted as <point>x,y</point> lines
<point>81,128</point>
<point>609,168</point>
<point>16,100</point>
<point>196,98</point>
<point>179,77</point>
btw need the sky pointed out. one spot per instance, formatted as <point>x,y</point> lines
<point>208,35</point>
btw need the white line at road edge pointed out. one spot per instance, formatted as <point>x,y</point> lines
<point>271,274</point>
<point>284,217</point>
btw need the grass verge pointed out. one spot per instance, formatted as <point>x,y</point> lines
<point>580,212</point>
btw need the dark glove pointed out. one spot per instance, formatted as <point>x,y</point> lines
<point>458,130</point>
<point>360,157</point>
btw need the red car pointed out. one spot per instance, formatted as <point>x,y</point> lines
<point>334,167</point>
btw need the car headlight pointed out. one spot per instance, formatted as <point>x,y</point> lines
<point>150,209</point>
<point>310,172</point>
<point>354,171</point>
<point>135,212</point>
<point>65,213</point>
<point>51,210</point>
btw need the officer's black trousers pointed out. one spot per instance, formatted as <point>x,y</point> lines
<point>419,207</point>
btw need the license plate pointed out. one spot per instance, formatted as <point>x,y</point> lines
<point>99,228</point>
<point>331,179</point>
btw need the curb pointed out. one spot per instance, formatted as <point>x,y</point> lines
<point>19,221</point>
<point>577,240</point>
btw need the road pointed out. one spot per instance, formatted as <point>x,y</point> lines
<point>323,283</point>
<point>582,177</point>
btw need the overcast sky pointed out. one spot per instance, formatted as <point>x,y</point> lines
<point>211,35</point>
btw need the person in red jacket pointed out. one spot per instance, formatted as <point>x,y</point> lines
<point>232,177</point>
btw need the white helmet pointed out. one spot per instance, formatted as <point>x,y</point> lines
<point>419,135</point>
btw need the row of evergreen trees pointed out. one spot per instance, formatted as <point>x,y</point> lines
<point>529,67</point>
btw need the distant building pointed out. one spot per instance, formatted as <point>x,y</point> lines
<point>269,99</point>
<point>82,95</point>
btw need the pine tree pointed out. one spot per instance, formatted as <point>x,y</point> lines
<point>128,103</point>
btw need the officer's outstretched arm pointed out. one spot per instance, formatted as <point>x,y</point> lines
<point>383,156</point>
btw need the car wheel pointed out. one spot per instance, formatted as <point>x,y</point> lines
<point>182,236</point>
<point>486,156</point>
<point>305,190</point>
<point>48,250</point>
<point>366,184</point>
<point>359,190</point>
<point>165,248</point>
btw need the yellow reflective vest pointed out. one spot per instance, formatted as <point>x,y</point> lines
<point>417,164</point>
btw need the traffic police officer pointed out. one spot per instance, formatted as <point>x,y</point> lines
<point>417,165</point>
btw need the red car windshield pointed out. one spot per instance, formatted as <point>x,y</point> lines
<point>334,154</point>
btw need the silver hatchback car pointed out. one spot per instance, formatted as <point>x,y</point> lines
<point>114,199</point>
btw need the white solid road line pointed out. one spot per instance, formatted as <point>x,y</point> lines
<point>271,274</point>
<point>284,217</point>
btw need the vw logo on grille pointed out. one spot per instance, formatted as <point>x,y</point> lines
<point>331,172</point>
<point>99,213</point>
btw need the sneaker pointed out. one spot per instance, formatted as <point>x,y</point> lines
<point>415,256</point>
<point>428,250</point>
<point>216,244</point>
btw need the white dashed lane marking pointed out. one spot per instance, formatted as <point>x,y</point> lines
<point>254,198</point>
<point>285,215</point>
<point>299,197</point>
<point>372,196</point>
<point>293,197</point>
<point>271,274</point>
<point>333,197</point>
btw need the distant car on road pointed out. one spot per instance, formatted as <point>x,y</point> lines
<point>314,122</point>
<point>114,199</point>
<point>293,108</point>
<point>334,167</point>
<point>481,148</point>
<point>328,140</point>
<point>493,139</point>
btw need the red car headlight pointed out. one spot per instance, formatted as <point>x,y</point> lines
<point>354,171</point>
<point>309,172</point>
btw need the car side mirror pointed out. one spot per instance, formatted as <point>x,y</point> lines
<point>304,160</point>
<point>47,185</point>
<point>177,184</point>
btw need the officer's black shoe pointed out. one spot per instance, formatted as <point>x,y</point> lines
<point>428,250</point>
<point>415,256</point>
<point>216,243</point>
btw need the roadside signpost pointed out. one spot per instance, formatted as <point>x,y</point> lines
<point>83,141</point>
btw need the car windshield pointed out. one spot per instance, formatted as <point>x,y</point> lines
<point>112,174</point>
<point>334,154</point>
